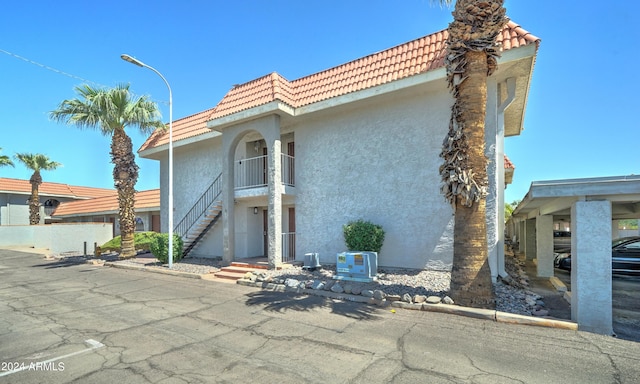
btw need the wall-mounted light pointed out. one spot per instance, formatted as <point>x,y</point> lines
<point>255,210</point>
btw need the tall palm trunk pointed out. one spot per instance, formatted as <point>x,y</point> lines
<point>471,58</point>
<point>471,276</point>
<point>34,201</point>
<point>125,176</point>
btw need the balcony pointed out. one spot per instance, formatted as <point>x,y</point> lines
<point>251,174</point>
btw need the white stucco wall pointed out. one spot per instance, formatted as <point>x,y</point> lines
<point>194,168</point>
<point>377,162</point>
<point>58,238</point>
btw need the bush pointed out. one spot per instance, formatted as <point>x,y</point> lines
<point>142,242</point>
<point>160,247</point>
<point>363,235</point>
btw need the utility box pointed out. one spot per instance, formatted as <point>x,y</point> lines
<point>311,261</point>
<point>357,266</point>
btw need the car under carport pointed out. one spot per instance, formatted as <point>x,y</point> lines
<point>592,206</point>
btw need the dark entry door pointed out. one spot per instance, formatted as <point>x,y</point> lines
<point>265,232</point>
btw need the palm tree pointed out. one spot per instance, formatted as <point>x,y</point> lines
<point>36,162</point>
<point>472,54</point>
<point>5,160</point>
<point>111,111</point>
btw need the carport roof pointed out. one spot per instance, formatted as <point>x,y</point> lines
<point>555,197</point>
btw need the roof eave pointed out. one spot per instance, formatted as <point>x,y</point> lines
<point>281,108</point>
<point>274,107</point>
<point>156,153</point>
<point>515,114</point>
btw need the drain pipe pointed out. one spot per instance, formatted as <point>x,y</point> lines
<point>511,95</point>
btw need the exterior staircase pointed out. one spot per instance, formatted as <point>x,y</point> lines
<point>201,228</point>
<point>237,270</point>
<point>206,211</point>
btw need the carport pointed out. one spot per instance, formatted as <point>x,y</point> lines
<point>593,206</point>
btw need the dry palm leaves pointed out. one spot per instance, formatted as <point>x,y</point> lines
<point>475,27</point>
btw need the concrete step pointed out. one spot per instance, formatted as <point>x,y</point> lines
<point>250,265</point>
<point>229,275</point>
<point>236,270</point>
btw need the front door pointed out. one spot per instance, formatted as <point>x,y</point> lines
<point>292,234</point>
<point>265,232</point>
<point>291,152</point>
<point>264,166</point>
<point>155,223</point>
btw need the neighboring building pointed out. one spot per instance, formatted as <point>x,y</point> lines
<point>105,210</point>
<point>15,194</point>
<point>288,163</point>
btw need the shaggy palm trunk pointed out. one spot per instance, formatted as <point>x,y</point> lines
<point>471,277</point>
<point>34,201</point>
<point>125,176</point>
<point>471,58</point>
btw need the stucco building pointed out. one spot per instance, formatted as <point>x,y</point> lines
<point>105,210</point>
<point>15,194</point>
<point>277,167</point>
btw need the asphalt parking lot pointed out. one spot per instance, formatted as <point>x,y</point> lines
<point>626,303</point>
<point>91,324</point>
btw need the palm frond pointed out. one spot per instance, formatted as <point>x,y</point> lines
<point>108,110</point>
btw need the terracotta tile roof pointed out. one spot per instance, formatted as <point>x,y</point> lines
<point>414,57</point>
<point>144,200</point>
<point>186,127</point>
<point>54,189</point>
<point>508,164</point>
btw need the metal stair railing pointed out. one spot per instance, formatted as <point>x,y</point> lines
<point>200,207</point>
<point>201,234</point>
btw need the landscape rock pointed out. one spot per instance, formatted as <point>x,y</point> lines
<point>418,299</point>
<point>317,284</point>
<point>348,288</point>
<point>292,283</point>
<point>434,300</point>
<point>540,313</point>
<point>337,288</point>
<point>378,294</point>
<point>407,298</point>
<point>329,284</point>
<point>392,297</point>
<point>367,293</point>
<point>447,300</point>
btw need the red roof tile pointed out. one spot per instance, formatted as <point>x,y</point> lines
<point>54,189</point>
<point>144,200</point>
<point>508,164</point>
<point>411,58</point>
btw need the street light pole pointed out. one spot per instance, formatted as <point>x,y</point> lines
<point>141,64</point>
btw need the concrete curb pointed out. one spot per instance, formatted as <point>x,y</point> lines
<point>477,313</point>
<point>558,284</point>
<point>152,269</point>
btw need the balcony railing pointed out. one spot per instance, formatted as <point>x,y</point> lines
<point>252,173</point>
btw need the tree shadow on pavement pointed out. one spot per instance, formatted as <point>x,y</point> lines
<point>283,301</point>
<point>63,262</point>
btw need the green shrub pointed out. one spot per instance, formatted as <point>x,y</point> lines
<point>363,235</point>
<point>142,242</point>
<point>160,247</point>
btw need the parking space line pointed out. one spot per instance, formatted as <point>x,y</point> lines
<point>93,343</point>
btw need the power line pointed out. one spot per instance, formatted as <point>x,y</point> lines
<point>62,72</point>
<point>51,69</point>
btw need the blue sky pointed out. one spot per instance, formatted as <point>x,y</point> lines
<point>578,120</point>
